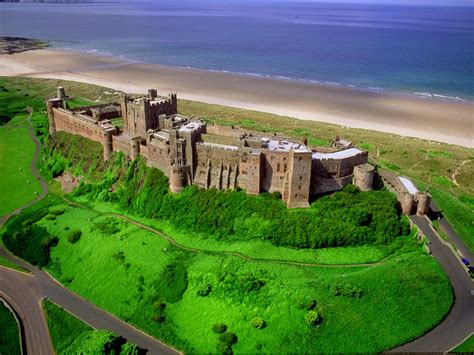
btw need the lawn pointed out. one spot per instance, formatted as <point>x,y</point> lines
<point>72,336</point>
<point>64,328</point>
<point>9,335</point>
<point>466,347</point>
<point>178,296</point>
<point>16,152</point>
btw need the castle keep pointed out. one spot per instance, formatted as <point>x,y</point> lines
<point>189,151</point>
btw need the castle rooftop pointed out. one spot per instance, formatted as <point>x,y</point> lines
<point>191,126</point>
<point>283,146</point>
<point>408,184</point>
<point>342,154</point>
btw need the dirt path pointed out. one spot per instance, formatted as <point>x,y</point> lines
<point>456,171</point>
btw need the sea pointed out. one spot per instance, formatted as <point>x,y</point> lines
<point>424,51</point>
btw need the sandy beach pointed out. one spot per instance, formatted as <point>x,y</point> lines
<point>444,121</point>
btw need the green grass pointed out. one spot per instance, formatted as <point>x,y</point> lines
<point>9,335</point>
<point>466,347</point>
<point>16,152</point>
<point>438,229</point>
<point>259,249</point>
<point>7,263</point>
<point>397,294</point>
<point>79,102</point>
<point>64,328</point>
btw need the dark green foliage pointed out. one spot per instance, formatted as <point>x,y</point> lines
<point>313,318</point>
<point>28,240</point>
<point>74,236</point>
<point>172,282</point>
<point>107,226</point>
<point>226,341</point>
<point>258,346</point>
<point>346,290</point>
<point>219,328</point>
<point>346,218</point>
<point>9,336</point>
<point>311,304</point>
<point>119,256</point>
<point>258,323</point>
<point>204,290</point>
<point>159,312</point>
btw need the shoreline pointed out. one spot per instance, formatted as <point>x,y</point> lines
<point>446,121</point>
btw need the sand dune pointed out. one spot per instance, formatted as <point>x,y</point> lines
<point>450,122</point>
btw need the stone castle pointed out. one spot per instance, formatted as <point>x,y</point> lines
<point>189,151</point>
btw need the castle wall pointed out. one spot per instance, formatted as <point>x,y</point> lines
<point>157,155</point>
<point>121,144</point>
<point>299,178</point>
<point>67,121</point>
<point>274,171</point>
<point>216,167</point>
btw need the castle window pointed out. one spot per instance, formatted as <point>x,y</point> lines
<point>296,195</point>
<point>301,178</point>
<point>301,158</point>
<point>285,168</point>
<point>278,167</point>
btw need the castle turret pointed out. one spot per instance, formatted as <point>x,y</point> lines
<point>174,103</point>
<point>61,93</point>
<point>364,177</point>
<point>152,93</point>
<point>178,179</point>
<point>135,148</point>
<point>423,200</point>
<point>298,179</point>
<point>107,144</point>
<point>406,202</point>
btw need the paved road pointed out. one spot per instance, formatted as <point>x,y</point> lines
<point>460,322</point>
<point>22,294</point>
<point>25,293</point>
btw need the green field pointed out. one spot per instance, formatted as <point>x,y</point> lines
<point>9,335</point>
<point>16,152</point>
<point>71,336</point>
<point>179,296</point>
<point>466,347</point>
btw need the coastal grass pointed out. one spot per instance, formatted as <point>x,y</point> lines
<point>466,347</point>
<point>63,327</point>
<point>9,334</point>
<point>16,151</point>
<point>407,293</point>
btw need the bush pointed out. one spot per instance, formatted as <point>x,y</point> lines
<point>204,290</point>
<point>228,338</point>
<point>159,305</point>
<point>73,236</point>
<point>313,318</point>
<point>347,290</point>
<point>258,323</point>
<point>311,304</point>
<point>219,328</point>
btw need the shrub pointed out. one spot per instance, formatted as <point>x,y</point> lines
<point>228,338</point>
<point>204,290</point>
<point>311,304</point>
<point>50,241</point>
<point>258,323</point>
<point>347,290</point>
<point>159,305</point>
<point>223,348</point>
<point>50,217</point>
<point>56,212</point>
<point>73,236</point>
<point>313,318</point>
<point>219,328</point>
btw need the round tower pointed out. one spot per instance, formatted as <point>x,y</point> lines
<point>423,200</point>
<point>406,202</point>
<point>61,93</point>
<point>107,144</point>
<point>135,151</point>
<point>177,179</point>
<point>364,176</point>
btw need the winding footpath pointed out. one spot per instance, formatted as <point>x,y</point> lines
<point>24,292</point>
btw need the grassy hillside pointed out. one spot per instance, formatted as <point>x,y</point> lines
<point>179,296</point>
<point>9,335</point>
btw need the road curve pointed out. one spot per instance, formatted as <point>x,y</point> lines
<point>25,293</point>
<point>460,321</point>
